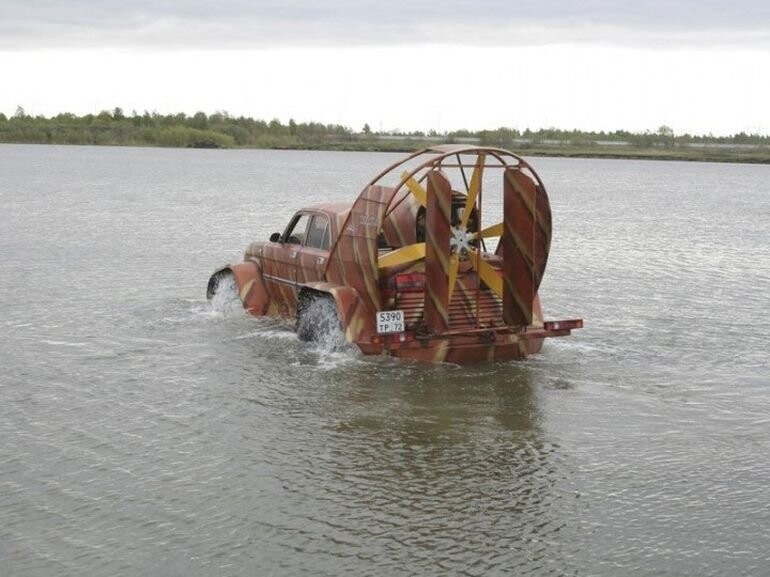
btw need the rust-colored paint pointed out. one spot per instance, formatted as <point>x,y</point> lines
<point>438,229</point>
<point>415,240</point>
<point>525,244</point>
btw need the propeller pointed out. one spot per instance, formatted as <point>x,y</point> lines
<point>524,242</point>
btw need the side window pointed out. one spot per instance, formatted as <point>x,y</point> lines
<point>295,234</point>
<point>318,233</point>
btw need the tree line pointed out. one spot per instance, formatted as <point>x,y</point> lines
<point>201,130</point>
<point>221,130</point>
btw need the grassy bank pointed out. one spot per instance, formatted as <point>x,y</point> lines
<point>223,131</point>
<point>759,155</point>
<point>756,156</point>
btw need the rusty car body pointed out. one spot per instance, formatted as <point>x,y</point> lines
<point>439,259</point>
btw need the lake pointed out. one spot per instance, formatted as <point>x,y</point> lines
<point>144,431</point>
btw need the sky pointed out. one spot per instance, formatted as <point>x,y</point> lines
<point>699,67</point>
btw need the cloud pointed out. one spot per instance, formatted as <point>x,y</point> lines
<point>31,24</point>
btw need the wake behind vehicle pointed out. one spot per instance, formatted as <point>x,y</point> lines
<point>439,258</point>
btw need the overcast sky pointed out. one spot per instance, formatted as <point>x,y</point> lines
<point>696,66</point>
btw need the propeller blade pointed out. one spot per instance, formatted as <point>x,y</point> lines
<point>402,255</point>
<point>487,273</point>
<point>416,188</point>
<point>473,189</point>
<point>489,232</point>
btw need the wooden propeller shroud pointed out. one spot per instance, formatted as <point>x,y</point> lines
<point>524,233</point>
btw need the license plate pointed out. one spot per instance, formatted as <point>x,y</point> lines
<point>390,322</point>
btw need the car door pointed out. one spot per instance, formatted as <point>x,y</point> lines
<point>315,251</point>
<point>281,260</point>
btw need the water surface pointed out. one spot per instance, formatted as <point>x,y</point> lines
<point>145,432</point>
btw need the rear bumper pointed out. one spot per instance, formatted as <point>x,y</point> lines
<point>472,345</point>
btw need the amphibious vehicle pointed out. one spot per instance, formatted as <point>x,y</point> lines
<point>439,258</point>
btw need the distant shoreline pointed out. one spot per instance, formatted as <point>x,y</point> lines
<point>220,130</point>
<point>753,156</point>
<point>760,156</point>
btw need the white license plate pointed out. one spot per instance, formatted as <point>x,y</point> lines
<point>390,322</point>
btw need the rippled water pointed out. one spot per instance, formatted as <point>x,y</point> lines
<point>144,431</point>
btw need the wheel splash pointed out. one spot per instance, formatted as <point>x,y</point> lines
<point>318,322</point>
<point>225,300</point>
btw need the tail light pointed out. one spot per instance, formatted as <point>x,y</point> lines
<point>410,282</point>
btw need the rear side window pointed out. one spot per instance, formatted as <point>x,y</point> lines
<point>318,233</point>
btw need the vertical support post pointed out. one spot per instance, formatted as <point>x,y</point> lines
<point>524,245</point>
<point>438,229</point>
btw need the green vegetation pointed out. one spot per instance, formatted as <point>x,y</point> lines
<point>220,130</point>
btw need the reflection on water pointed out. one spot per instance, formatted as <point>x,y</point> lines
<point>144,432</point>
<point>427,466</point>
